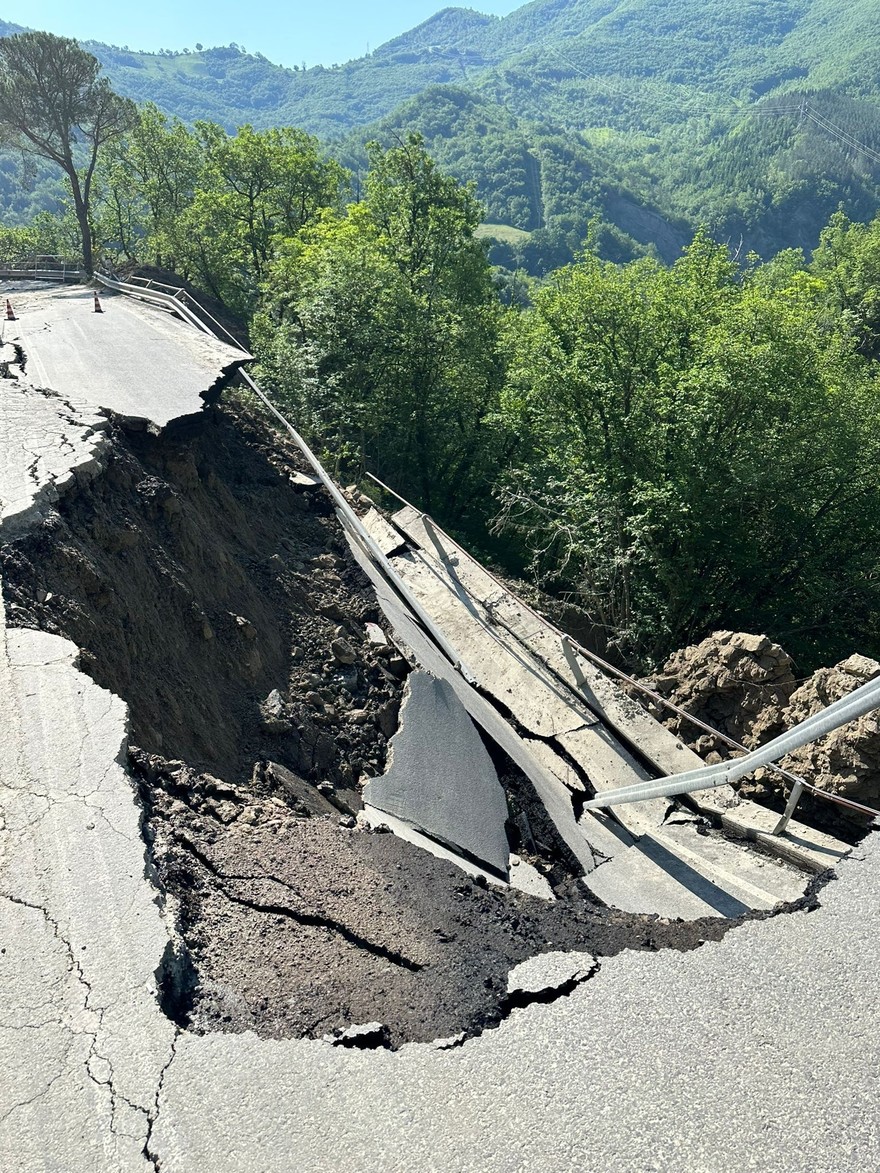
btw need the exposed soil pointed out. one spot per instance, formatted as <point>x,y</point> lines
<point>218,599</point>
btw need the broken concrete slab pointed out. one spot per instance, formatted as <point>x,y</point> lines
<point>386,537</point>
<point>675,873</point>
<point>506,671</point>
<point>550,973</point>
<point>441,778</point>
<point>607,764</point>
<point>442,580</point>
<point>800,844</point>
<point>589,840</point>
<point>620,712</point>
<point>300,794</point>
<point>302,480</point>
<point>46,445</point>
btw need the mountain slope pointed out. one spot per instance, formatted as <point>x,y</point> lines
<point>655,115</point>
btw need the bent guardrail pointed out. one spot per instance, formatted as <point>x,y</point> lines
<point>864,700</point>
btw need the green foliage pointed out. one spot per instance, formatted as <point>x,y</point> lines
<point>696,453</point>
<point>380,333</point>
<point>847,263</point>
<point>211,205</point>
<point>566,110</point>
<point>45,235</point>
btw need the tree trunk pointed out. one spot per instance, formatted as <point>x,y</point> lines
<point>82,216</point>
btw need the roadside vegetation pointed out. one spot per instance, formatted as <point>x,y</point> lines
<point>676,447</point>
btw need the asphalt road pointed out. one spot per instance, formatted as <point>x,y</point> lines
<point>133,359</point>
<point>759,1052</point>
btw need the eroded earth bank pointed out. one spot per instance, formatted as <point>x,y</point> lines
<point>206,581</point>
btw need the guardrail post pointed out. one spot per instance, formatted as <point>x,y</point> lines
<point>793,799</point>
<point>577,670</point>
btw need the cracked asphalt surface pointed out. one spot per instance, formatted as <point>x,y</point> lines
<point>134,359</point>
<point>758,1050</point>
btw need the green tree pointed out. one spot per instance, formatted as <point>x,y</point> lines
<point>257,189</point>
<point>381,329</point>
<point>148,182</point>
<point>54,104</point>
<point>847,262</point>
<point>695,453</point>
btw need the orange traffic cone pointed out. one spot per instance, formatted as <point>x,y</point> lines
<point>10,312</point>
<point>98,309</point>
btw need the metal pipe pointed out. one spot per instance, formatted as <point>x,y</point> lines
<point>793,799</point>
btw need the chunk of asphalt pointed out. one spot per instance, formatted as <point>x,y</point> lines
<point>300,793</point>
<point>549,973</point>
<point>441,779</point>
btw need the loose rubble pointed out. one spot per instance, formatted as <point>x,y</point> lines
<point>744,686</point>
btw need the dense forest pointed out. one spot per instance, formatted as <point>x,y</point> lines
<point>677,445</point>
<point>756,120</point>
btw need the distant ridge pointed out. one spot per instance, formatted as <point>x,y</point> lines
<point>635,112</point>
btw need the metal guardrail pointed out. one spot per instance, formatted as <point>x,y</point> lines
<point>41,267</point>
<point>178,301</point>
<point>569,646</point>
<point>863,700</point>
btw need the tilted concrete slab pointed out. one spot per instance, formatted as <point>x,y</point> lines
<point>678,874</point>
<point>511,675</point>
<point>801,845</point>
<point>688,877</point>
<point>440,778</point>
<point>607,764</point>
<point>591,839</point>
<point>660,876</point>
<point>133,359</point>
<point>83,1041</point>
<point>46,444</point>
<point>555,797</point>
<point>605,697</point>
<point>383,534</point>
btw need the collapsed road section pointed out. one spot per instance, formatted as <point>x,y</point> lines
<point>205,581</point>
<point>215,712</point>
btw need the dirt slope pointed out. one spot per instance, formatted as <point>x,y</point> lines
<point>216,596</point>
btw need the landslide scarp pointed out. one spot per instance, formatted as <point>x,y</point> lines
<point>209,586</point>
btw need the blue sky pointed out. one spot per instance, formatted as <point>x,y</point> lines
<point>314,31</point>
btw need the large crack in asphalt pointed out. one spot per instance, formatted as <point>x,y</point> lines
<point>209,591</point>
